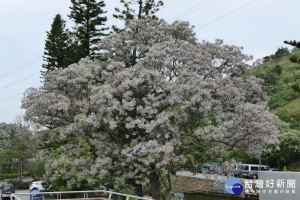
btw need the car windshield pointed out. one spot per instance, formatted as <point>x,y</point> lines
<point>240,167</point>
<point>7,189</point>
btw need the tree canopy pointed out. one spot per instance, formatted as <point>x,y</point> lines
<point>137,9</point>
<point>123,120</point>
<point>89,18</point>
<point>57,45</point>
<point>293,43</point>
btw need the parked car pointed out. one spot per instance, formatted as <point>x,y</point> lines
<point>35,195</point>
<point>238,170</point>
<point>6,190</point>
<point>217,168</point>
<point>199,168</point>
<point>37,185</point>
<point>251,170</point>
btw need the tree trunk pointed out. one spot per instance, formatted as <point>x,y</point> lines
<point>138,188</point>
<point>155,184</point>
<point>169,187</point>
<point>140,9</point>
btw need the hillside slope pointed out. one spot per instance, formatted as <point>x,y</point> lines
<point>282,85</point>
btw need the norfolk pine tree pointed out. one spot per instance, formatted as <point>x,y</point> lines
<point>88,17</point>
<point>56,46</point>
<point>293,43</point>
<point>146,9</point>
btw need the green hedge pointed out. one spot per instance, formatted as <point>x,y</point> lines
<point>20,185</point>
<point>10,176</point>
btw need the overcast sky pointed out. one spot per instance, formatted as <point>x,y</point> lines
<point>260,26</point>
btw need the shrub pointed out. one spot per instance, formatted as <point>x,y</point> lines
<point>20,185</point>
<point>292,119</point>
<point>295,166</point>
<point>296,87</point>
<point>11,176</point>
<point>282,97</point>
<point>277,69</point>
<point>295,57</point>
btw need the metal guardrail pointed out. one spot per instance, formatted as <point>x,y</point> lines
<point>85,193</point>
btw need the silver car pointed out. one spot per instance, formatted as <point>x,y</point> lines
<point>251,170</point>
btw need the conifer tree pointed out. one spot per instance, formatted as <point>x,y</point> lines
<point>293,43</point>
<point>57,45</point>
<point>145,9</point>
<point>89,20</point>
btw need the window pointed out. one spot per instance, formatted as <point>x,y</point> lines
<point>246,167</point>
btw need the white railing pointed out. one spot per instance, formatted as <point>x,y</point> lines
<point>85,194</point>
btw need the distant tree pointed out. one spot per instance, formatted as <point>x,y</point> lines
<point>8,133</point>
<point>14,156</point>
<point>89,20</point>
<point>57,46</point>
<point>293,43</point>
<point>36,168</point>
<point>285,152</point>
<point>266,58</point>
<point>281,52</point>
<point>137,9</point>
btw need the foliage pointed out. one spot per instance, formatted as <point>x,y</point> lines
<point>240,155</point>
<point>281,83</point>
<point>10,132</point>
<point>57,45</point>
<point>294,166</point>
<point>12,157</point>
<point>295,57</point>
<point>123,120</point>
<point>14,148</point>
<point>293,43</point>
<point>20,185</point>
<point>282,97</point>
<point>292,118</point>
<point>11,176</point>
<point>89,20</point>
<point>145,9</point>
<point>278,54</point>
<point>287,150</point>
<point>36,168</point>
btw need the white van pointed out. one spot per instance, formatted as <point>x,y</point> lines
<point>251,170</point>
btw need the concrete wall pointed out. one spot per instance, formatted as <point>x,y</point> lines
<point>279,185</point>
<point>184,184</point>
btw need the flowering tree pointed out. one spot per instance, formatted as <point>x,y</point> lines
<point>122,121</point>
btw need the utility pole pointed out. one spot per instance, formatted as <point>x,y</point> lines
<point>21,172</point>
<point>259,162</point>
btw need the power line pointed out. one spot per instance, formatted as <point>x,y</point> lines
<point>11,97</point>
<point>22,66</point>
<point>19,81</point>
<point>169,5</point>
<point>226,15</point>
<point>9,109</point>
<point>192,9</point>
